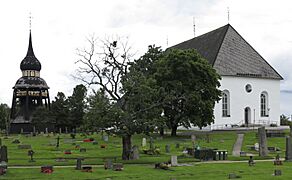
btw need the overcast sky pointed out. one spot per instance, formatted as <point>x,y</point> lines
<point>61,26</point>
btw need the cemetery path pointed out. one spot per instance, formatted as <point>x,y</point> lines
<point>237,145</point>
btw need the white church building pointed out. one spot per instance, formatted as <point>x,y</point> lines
<point>250,85</point>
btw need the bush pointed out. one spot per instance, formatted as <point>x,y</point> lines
<point>284,120</point>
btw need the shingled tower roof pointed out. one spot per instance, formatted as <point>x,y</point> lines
<point>230,54</point>
<point>30,62</point>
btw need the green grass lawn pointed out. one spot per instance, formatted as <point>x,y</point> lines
<point>262,170</point>
<point>47,154</point>
<point>143,168</point>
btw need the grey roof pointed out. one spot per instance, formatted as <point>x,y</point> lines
<point>230,54</point>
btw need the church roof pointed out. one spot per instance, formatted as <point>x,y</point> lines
<point>230,54</point>
<point>30,62</point>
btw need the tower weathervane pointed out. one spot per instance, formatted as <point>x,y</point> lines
<point>194,26</point>
<point>30,17</point>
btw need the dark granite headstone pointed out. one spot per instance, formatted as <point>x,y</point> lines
<point>177,145</point>
<point>58,142</point>
<point>79,163</point>
<point>108,164</point>
<point>251,161</point>
<point>31,153</point>
<point>151,143</point>
<point>82,150</point>
<point>167,148</point>
<point>277,172</point>
<point>263,148</point>
<point>118,167</point>
<point>4,154</point>
<point>288,154</point>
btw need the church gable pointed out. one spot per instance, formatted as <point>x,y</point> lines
<point>230,54</point>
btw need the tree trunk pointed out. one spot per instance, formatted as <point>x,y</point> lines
<point>173,130</point>
<point>127,145</point>
<point>161,131</point>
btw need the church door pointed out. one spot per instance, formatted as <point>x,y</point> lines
<point>247,116</point>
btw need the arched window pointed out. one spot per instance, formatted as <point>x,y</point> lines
<point>225,104</point>
<point>264,104</point>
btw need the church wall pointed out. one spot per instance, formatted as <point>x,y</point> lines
<point>240,99</point>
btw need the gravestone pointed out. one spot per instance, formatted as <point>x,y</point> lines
<point>3,167</point>
<point>288,155</point>
<point>79,163</point>
<point>34,130</point>
<point>167,148</point>
<point>151,143</point>
<point>31,153</point>
<point>251,161</point>
<point>21,131</point>
<point>144,142</point>
<point>66,130</point>
<point>173,160</point>
<point>82,150</point>
<point>87,169</point>
<point>118,167</point>
<point>105,138</point>
<point>108,164</point>
<point>135,153</point>
<point>193,137</point>
<point>47,131</point>
<point>263,148</point>
<point>4,154</point>
<point>24,146</point>
<point>177,145</point>
<point>60,130</point>
<point>58,142</point>
<point>277,172</point>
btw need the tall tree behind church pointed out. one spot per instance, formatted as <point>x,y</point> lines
<point>4,114</point>
<point>77,105</point>
<point>60,110</point>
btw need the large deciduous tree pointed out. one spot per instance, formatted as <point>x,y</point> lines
<point>125,93</point>
<point>189,85</point>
